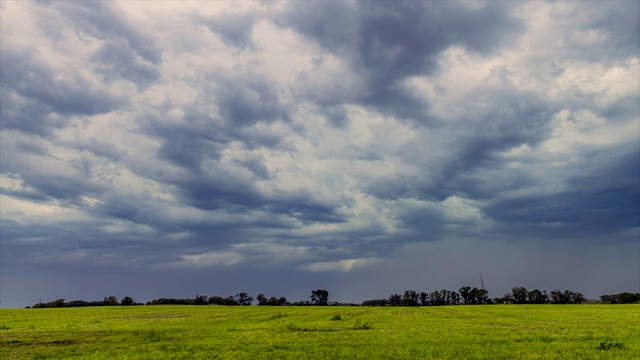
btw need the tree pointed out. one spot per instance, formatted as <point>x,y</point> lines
<point>447,296</point>
<point>436,298</point>
<point>536,297</point>
<point>507,298</point>
<point>627,298</point>
<point>455,298</point>
<point>519,294</point>
<point>376,302</point>
<point>56,303</point>
<point>229,301</point>
<point>126,301</point>
<point>578,298</point>
<point>410,298</point>
<point>395,299</point>
<point>557,297</point>
<point>424,298</point>
<point>566,297</point>
<point>244,299</point>
<point>110,301</point>
<point>273,301</point>
<point>465,292</point>
<point>480,296</point>
<point>320,297</point>
<point>608,298</point>
<point>78,303</point>
<point>215,300</point>
<point>262,300</point>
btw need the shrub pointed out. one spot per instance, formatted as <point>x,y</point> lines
<point>359,326</point>
<point>607,345</point>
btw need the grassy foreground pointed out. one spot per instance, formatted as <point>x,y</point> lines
<point>256,332</point>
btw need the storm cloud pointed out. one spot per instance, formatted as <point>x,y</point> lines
<point>285,146</point>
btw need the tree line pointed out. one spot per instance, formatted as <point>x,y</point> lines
<point>107,301</point>
<point>466,295</point>
<point>318,297</point>
<point>621,298</point>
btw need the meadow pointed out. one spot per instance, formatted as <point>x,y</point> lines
<point>263,332</point>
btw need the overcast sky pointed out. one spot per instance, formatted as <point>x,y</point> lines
<point>168,149</point>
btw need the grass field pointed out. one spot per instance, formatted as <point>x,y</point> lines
<point>256,332</point>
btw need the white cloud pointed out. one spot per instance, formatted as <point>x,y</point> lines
<point>208,260</point>
<point>342,265</point>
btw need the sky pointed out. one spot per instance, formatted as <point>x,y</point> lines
<point>176,148</point>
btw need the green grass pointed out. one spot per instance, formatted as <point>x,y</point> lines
<point>256,332</point>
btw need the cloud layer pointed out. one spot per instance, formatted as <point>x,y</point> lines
<point>314,138</point>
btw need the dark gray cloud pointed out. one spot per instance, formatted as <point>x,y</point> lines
<point>127,51</point>
<point>245,99</point>
<point>106,21</point>
<point>320,144</point>
<point>117,59</point>
<point>34,101</point>
<point>620,109</point>
<point>602,197</point>
<point>235,29</point>
<point>388,42</point>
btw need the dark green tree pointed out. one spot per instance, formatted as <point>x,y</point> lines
<point>244,299</point>
<point>465,293</point>
<point>58,303</point>
<point>519,294</point>
<point>437,297</point>
<point>608,298</point>
<point>273,301</point>
<point>215,300</point>
<point>434,297</point>
<point>110,301</point>
<point>262,300</point>
<point>578,298</point>
<point>127,301</point>
<point>566,297</point>
<point>455,298</point>
<point>447,296</point>
<point>479,296</point>
<point>320,297</point>
<point>410,298</point>
<point>78,303</point>
<point>424,298</point>
<point>200,300</point>
<point>536,297</point>
<point>507,298</point>
<point>627,298</point>
<point>557,297</point>
<point>395,299</point>
<point>229,301</point>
